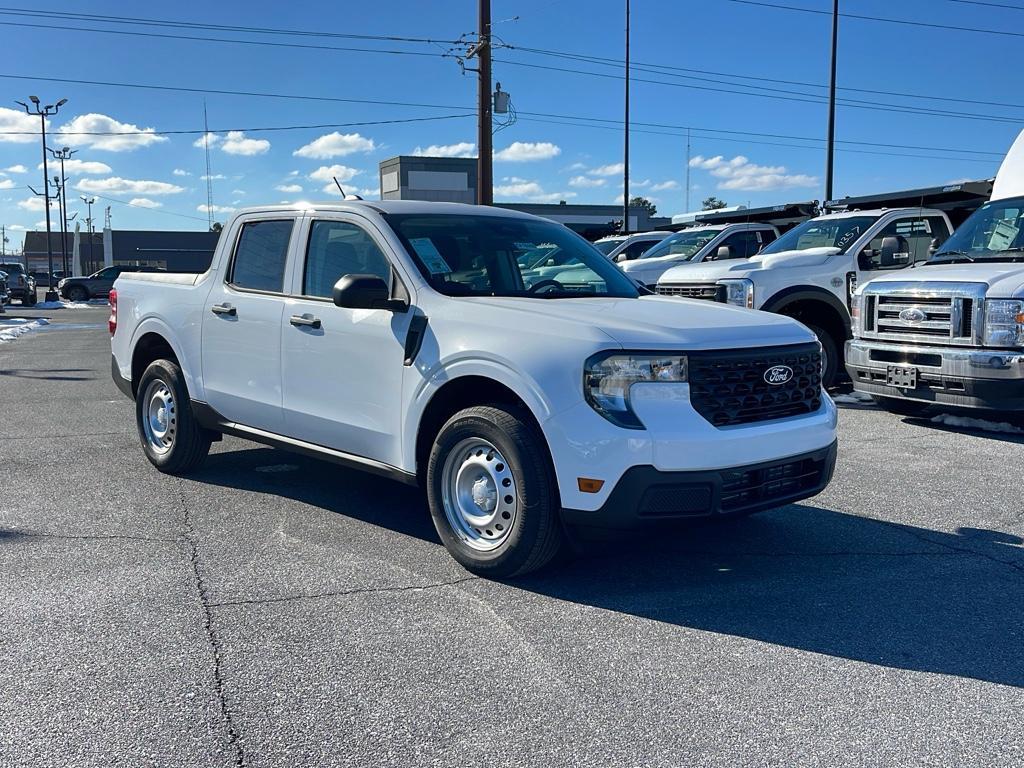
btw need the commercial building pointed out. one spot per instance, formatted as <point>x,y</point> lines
<point>173,251</point>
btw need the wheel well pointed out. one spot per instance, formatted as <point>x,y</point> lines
<point>152,346</point>
<point>813,312</point>
<point>452,397</point>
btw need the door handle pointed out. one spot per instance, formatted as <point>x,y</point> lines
<point>224,309</point>
<point>307,320</point>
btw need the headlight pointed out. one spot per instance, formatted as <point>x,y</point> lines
<point>60,283</point>
<point>608,377</point>
<point>1004,323</point>
<point>739,292</point>
<point>856,309</point>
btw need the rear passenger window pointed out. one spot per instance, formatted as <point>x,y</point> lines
<point>336,249</point>
<point>260,256</point>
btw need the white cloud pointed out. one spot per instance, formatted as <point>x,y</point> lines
<point>16,228</point>
<point>115,185</point>
<point>82,130</point>
<point>16,127</point>
<point>330,172</point>
<point>213,138</point>
<point>525,151</point>
<point>144,202</point>
<point>74,167</point>
<point>203,208</point>
<point>7,184</point>
<point>213,177</point>
<point>32,204</point>
<point>640,184</point>
<point>515,188</point>
<point>577,167</point>
<point>17,169</point>
<point>586,182</point>
<point>740,174</point>
<point>335,145</point>
<point>661,186</point>
<point>461,149</point>
<point>236,143</point>
<point>614,169</point>
<point>292,174</point>
<point>238,192</point>
<point>289,188</point>
<point>41,224</point>
<point>180,172</point>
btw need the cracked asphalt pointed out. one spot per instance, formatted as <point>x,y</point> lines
<point>274,610</point>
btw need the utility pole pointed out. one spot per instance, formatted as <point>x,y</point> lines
<point>45,112</point>
<point>88,227</point>
<point>3,240</point>
<point>62,155</point>
<point>687,208</point>
<point>482,51</point>
<point>831,141</point>
<point>625,151</point>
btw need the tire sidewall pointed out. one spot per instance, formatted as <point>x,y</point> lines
<point>171,375</point>
<point>535,496</point>
<point>78,293</point>
<point>831,349</point>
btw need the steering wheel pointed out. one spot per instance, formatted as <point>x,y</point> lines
<point>541,284</point>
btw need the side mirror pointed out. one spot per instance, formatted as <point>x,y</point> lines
<point>365,292</point>
<point>933,246</point>
<point>891,248</point>
<point>723,253</point>
<point>622,257</point>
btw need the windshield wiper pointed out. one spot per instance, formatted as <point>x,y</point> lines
<point>961,254</point>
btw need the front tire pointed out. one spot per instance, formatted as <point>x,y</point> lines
<point>829,355</point>
<point>77,293</point>
<point>171,437</point>
<point>492,492</point>
<point>901,407</point>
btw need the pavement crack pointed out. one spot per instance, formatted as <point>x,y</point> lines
<point>346,593</point>
<point>16,533</point>
<point>1019,567</point>
<point>192,538</point>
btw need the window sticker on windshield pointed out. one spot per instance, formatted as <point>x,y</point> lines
<point>524,246</point>
<point>1003,235</point>
<point>430,256</point>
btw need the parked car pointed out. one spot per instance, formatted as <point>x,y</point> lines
<point>811,271</point>
<point>609,243</point>
<point>697,245</point>
<point>399,337</point>
<point>5,296</point>
<point>21,285</point>
<point>951,333</point>
<point>98,284</point>
<point>631,247</point>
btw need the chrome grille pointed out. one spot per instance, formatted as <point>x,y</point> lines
<point>923,312</point>
<point>709,291</point>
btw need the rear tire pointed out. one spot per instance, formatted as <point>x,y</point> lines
<point>171,437</point>
<point>829,355</point>
<point>77,293</point>
<point>901,407</point>
<point>492,493</point>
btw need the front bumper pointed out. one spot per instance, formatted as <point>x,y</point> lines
<point>963,378</point>
<point>645,494</point>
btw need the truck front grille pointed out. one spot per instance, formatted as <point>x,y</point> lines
<point>731,387</point>
<point>925,312</point>
<point>709,291</point>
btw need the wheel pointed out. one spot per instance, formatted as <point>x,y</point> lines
<point>901,407</point>
<point>77,293</point>
<point>492,493</point>
<point>829,355</point>
<point>171,438</point>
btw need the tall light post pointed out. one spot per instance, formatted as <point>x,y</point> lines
<point>88,225</point>
<point>831,138</point>
<point>45,112</point>
<point>62,155</point>
<point>625,149</point>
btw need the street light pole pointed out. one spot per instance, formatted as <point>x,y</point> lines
<point>831,141</point>
<point>62,155</point>
<point>45,112</point>
<point>88,226</point>
<point>625,149</point>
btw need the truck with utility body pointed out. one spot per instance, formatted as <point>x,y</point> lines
<point>401,338</point>
<point>950,332</point>
<point>811,271</point>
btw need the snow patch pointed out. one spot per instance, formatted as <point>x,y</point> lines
<point>966,422</point>
<point>853,398</point>
<point>13,327</point>
<point>72,304</point>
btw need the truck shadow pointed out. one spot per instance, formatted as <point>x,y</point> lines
<point>803,576</point>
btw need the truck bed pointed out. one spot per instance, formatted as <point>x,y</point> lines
<point>172,278</point>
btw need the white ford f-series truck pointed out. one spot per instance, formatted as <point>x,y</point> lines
<point>401,338</point>
<point>951,331</point>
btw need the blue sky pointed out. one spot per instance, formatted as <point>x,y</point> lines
<point>753,140</point>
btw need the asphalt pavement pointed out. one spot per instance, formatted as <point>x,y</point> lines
<point>273,610</point>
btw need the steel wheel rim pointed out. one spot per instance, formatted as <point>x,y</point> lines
<point>479,494</point>
<point>159,416</point>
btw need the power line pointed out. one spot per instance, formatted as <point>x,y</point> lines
<point>862,17</point>
<point>988,4</point>
<point>337,99</point>
<point>150,210</point>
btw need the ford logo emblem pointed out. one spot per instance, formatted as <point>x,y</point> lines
<point>778,374</point>
<point>913,315</point>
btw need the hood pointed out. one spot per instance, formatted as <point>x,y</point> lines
<point>638,265</point>
<point>718,270</point>
<point>649,322</point>
<point>1004,279</point>
<point>808,257</point>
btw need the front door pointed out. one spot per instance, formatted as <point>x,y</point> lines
<point>342,368</point>
<point>242,327</point>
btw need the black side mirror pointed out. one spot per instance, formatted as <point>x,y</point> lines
<point>933,246</point>
<point>891,248</point>
<point>724,253</point>
<point>365,292</point>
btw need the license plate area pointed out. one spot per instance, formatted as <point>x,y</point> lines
<point>901,376</point>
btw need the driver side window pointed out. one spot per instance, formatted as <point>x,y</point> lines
<point>336,249</point>
<point>914,237</point>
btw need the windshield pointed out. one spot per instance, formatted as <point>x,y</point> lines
<point>481,256</point>
<point>995,232</point>
<point>685,244</point>
<point>607,246</point>
<point>838,233</point>
<point>12,268</point>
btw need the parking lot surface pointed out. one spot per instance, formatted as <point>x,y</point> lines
<point>276,610</point>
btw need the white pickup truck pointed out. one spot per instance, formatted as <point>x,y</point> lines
<point>400,338</point>
<point>951,332</point>
<point>811,271</point>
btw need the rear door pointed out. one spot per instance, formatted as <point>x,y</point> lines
<point>242,324</point>
<point>342,369</point>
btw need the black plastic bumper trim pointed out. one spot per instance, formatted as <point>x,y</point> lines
<point>123,384</point>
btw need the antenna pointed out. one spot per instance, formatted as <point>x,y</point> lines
<point>338,184</point>
<point>209,178</point>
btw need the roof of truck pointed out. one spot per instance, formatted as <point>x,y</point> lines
<point>877,212</point>
<point>390,206</point>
